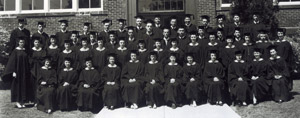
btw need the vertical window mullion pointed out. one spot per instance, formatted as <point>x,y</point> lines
<point>4,4</point>
<point>32,4</point>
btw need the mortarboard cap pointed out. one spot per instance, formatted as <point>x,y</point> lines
<point>112,55</point>
<point>281,30</point>
<point>53,36</point>
<point>149,21</point>
<point>238,52</point>
<point>121,20</point>
<point>157,16</point>
<point>157,39</point>
<point>134,51</point>
<point>247,34</point>
<point>106,21</point>
<point>84,39</point>
<point>153,53</point>
<point>214,51</point>
<point>263,31</point>
<point>193,33</point>
<point>87,24</point>
<point>173,17</point>
<point>189,16</point>
<point>220,29</point>
<point>21,20</point>
<point>201,27</point>
<point>272,47</point>
<point>174,40</point>
<point>93,33</point>
<point>189,54</point>
<point>139,17</point>
<point>141,41</point>
<point>42,23</point>
<point>205,17</point>
<point>229,37</point>
<point>75,32</point>
<point>68,59</point>
<point>257,50</point>
<point>237,28</point>
<point>68,41</point>
<point>220,16</point>
<point>112,32</point>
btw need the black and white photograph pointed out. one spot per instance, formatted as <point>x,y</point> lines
<point>149,58</point>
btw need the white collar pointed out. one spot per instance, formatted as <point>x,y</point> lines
<point>247,44</point>
<point>181,37</point>
<point>84,49</point>
<point>174,49</point>
<point>66,69</point>
<point>18,48</point>
<point>157,25</point>
<point>149,33</point>
<point>160,50</point>
<point>131,39</point>
<point>112,66</point>
<point>21,28</point>
<point>196,44</point>
<point>173,27</point>
<point>260,59</point>
<point>100,49</point>
<point>34,48</point>
<point>170,64</point>
<point>53,47</point>
<point>210,44</point>
<point>122,49</point>
<point>210,61</point>
<point>44,67</point>
<point>241,61</point>
<point>136,61</point>
<point>106,31</point>
<point>188,25</point>
<point>144,50</point>
<point>232,46</point>
<point>188,64</point>
<point>63,31</point>
<point>277,57</point>
<point>260,41</point>
<point>40,32</point>
<point>122,30</point>
<point>166,39</point>
<point>201,37</point>
<point>139,27</point>
<point>255,22</point>
<point>92,68</point>
<point>150,62</point>
<point>67,52</point>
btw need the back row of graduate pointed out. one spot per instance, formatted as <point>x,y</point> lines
<point>154,65</point>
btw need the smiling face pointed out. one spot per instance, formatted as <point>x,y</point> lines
<point>193,38</point>
<point>133,56</point>
<point>47,63</point>
<point>63,26</point>
<point>111,60</point>
<point>157,20</point>
<point>238,56</point>
<point>21,43</point>
<point>88,64</point>
<point>256,54</point>
<point>172,59</point>
<point>153,57</point>
<point>273,52</point>
<point>139,22</point>
<point>36,43</point>
<point>67,64</point>
<point>190,59</point>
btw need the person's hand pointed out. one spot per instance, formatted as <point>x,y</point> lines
<point>108,83</point>
<point>216,79</point>
<point>113,83</point>
<point>254,78</point>
<point>133,80</point>
<point>14,74</point>
<point>130,81</point>
<point>152,82</point>
<point>295,71</point>
<point>43,83</point>
<point>240,79</point>
<point>172,80</point>
<point>86,86</point>
<point>192,79</point>
<point>66,84</point>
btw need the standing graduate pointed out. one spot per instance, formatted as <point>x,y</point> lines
<point>173,76</point>
<point>111,77</point>
<point>67,88</point>
<point>238,79</point>
<point>142,52</point>
<point>53,51</point>
<point>41,34</point>
<point>154,78</point>
<point>76,43</point>
<point>227,53</point>
<point>92,40</point>
<point>161,53</point>
<point>174,49</point>
<point>263,43</point>
<point>63,34</point>
<point>196,49</point>
<point>121,32</point>
<point>202,35</point>
<point>173,27</point>
<point>100,55</point>
<point>46,90</point>
<point>192,78</point>
<point>166,38</point>
<point>122,53</point>
<point>85,31</point>
<point>112,43</point>
<point>258,75</point>
<point>238,40</point>
<point>247,48</point>
<point>236,23</point>
<point>149,36</point>
<point>212,45</point>
<point>132,81</point>
<point>279,74</point>
<point>255,25</point>
<point>205,20</point>
<point>157,26</point>
<point>139,30</point>
<point>89,91</point>
<point>188,25</point>
<point>214,78</point>
<point>21,31</point>
<point>83,53</point>
<point>106,29</point>
<point>221,23</point>
<point>131,41</point>
<point>182,38</point>
<point>18,72</point>
<point>67,52</point>
<point>221,37</point>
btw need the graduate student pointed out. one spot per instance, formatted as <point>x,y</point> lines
<point>132,81</point>
<point>157,26</point>
<point>67,86</point>
<point>92,40</point>
<point>122,53</point>
<point>247,47</point>
<point>221,23</point>
<point>76,42</point>
<point>106,29</point>
<point>21,31</point>
<point>192,79</point>
<point>258,71</point>
<point>121,32</point>
<point>174,49</point>
<point>85,30</point>
<point>173,88</point>
<point>131,40</point>
<point>18,72</point>
<point>166,38</point>
<point>154,78</point>
<point>279,74</point>
<point>100,55</point>
<point>196,49</point>
<point>173,27</point>
<point>83,53</point>
<point>238,79</point>
<point>111,75</point>
<point>46,90</point>
<point>112,43</point>
<point>63,34</point>
<point>149,35</point>
<point>227,53</point>
<point>182,37</point>
<point>142,52</point>
<point>89,91</point>
<point>214,78</point>
<point>263,43</point>
<point>205,20</point>
<point>139,30</point>
<point>161,53</point>
<point>187,23</point>
<point>53,51</point>
<point>41,34</point>
<point>67,52</point>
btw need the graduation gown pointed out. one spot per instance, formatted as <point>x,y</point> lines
<point>247,51</point>
<point>111,93</point>
<point>154,92</point>
<point>228,55</point>
<point>132,44</point>
<point>66,95</point>
<point>161,55</point>
<point>46,94</point>
<point>104,35</point>
<point>44,39</point>
<point>238,89</point>
<point>180,55</point>
<point>173,32</point>
<point>122,56</point>
<point>199,53</point>
<point>81,56</point>
<point>191,28</point>
<point>149,40</point>
<point>183,42</point>
<point>263,45</point>
<point>259,87</point>
<point>15,34</point>
<point>173,91</point>
<point>89,98</point>
<point>132,92</point>
<point>253,28</point>
<point>143,56</point>
<point>99,58</point>
<point>61,37</point>
<point>122,33</point>
<point>138,33</point>
<point>21,86</point>
<point>214,89</point>
<point>280,90</point>
<point>61,59</point>
<point>53,53</point>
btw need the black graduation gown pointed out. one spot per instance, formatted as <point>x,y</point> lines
<point>191,28</point>
<point>208,47</point>
<point>173,91</point>
<point>53,53</point>
<point>21,86</point>
<point>66,95</point>
<point>260,86</point>
<point>199,54</point>
<point>193,90</point>
<point>238,89</point>
<point>122,33</point>
<point>227,55</point>
<point>154,92</point>
<point>263,46</point>
<point>99,58</point>
<point>81,56</point>
<point>149,40</point>
<point>132,92</point>
<point>122,57</point>
<point>15,34</point>
<point>44,39</point>
<point>158,30</point>
<point>280,90</point>
<point>183,42</point>
<point>89,98</point>
<point>286,52</point>
<point>173,32</point>
<point>247,51</point>
<point>61,37</point>
<point>180,56</point>
<point>166,44</point>
<point>111,47</point>
<point>111,93</point>
<point>61,59</point>
<point>132,45</point>
<point>104,35</point>
<point>46,94</point>
<point>254,28</point>
<point>143,56</point>
<point>161,55</point>
<point>138,33</point>
<point>214,90</point>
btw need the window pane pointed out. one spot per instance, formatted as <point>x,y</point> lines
<point>180,4</point>
<point>26,4</point>
<point>1,5</point>
<point>226,1</point>
<point>38,4</point>
<point>83,3</point>
<point>66,4</point>
<point>95,3</point>
<point>160,5</point>
<point>10,5</point>
<point>54,4</point>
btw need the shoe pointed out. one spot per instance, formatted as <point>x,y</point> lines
<point>18,105</point>
<point>135,106</point>
<point>173,106</point>
<point>280,101</point>
<point>220,103</point>
<point>154,106</point>
<point>194,104</point>
<point>132,107</point>
<point>244,104</point>
<point>111,107</point>
<point>49,111</point>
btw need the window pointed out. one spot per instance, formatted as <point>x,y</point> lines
<point>60,4</point>
<point>32,4</point>
<point>160,5</point>
<point>227,3</point>
<point>89,3</point>
<point>7,5</point>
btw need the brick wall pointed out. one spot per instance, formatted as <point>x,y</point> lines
<point>288,17</point>
<point>206,7</point>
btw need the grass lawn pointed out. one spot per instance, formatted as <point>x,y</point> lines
<point>268,109</point>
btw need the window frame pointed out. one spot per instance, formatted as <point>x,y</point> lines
<point>290,3</point>
<point>162,11</point>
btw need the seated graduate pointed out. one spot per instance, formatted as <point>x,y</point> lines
<point>89,83</point>
<point>132,81</point>
<point>99,55</point>
<point>46,90</point>
<point>142,51</point>
<point>111,77</point>
<point>192,77</point>
<point>258,75</point>
<point>238,79</point>
<point>174,49</point>
<point>83,53</point>
<point>154,77</point>
<point>247,48</point>
<point>122,53</point>
<point>67,88</point>
<point>67,52</point>
<point>173,82</point>
<point>213,77</point>
<point>221,37</point>
<point>279,74</point>
<point>197,49</point>
<point>53,51</point>
<point>227,53</point>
